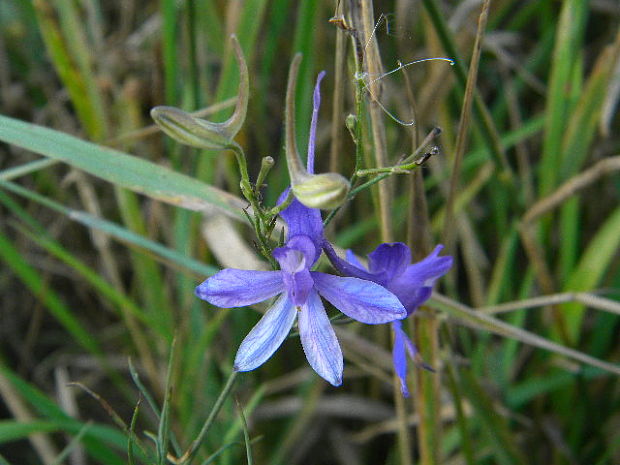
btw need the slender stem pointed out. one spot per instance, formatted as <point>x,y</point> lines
<point>287,201</point>
<point>189,455</point>
<point>397,169</point>
<point>353,193</point>
<point>359,104</point>
<point>246,187</point>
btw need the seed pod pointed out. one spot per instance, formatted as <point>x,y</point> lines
<point>201,133</point>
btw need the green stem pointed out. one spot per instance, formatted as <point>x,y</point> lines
<point>396,169</point>
<point>246,187</point>
<point>289,199</point>
<point>189,455</point>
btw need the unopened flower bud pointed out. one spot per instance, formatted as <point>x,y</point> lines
<point>200,133</point>
<point>325,191</point>
<point>350,122</point>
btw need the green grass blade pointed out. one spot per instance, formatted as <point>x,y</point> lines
<point>569,33</point>
<point>98,440</point>
<point>67,68</point>
<point>80,50</point>
<point>72,445</point>
<point>118,232</point>
<point>163,431</point>
<point>502,442</point>
<point>119,168</point>
<point>169,46</point>
<point>592,265</point>
<point>26,168</point>
<point>481,321</point>
<point>37,285</point>
<point>11,430</point>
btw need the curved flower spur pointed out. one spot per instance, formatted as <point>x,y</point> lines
<point>299,290</point>
<point>390,266</point>
<point>199,132</point>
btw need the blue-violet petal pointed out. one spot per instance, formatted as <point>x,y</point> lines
<point>392,258</point>
<point>303,221</point>
<point>399,356</point>
<point>266,336</point>
<point>319,340</point>
<point>238,288</point>
<point>361,300</point>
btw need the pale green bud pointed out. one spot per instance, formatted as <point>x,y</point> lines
<point>200,133</point>
<point>350,122</point>
<point>325,191</point>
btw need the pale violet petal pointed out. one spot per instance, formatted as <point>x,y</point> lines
<point>303,221</point>
<point>297,254</point>
<point>266,336</point>
<point>238,288</point>
<point>399,356</point>
<point>316,103</point>
<point>298,286</point>
<point>361,300</point>
<point>319,340</point>
<point>353,260</point>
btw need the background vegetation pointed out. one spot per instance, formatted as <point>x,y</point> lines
<point>100,252</point>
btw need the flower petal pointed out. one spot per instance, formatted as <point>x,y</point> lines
<point>414,286</point>
<point>319,341</point>
<point>297,254</point>
<point>303,221</point>
<point>266,336</point>
<point>298,286</point>
<point>353,260</point>
<point>426,271</point>
<point>361,300</point>
<point>316,103</point>
<point>399,356</point>
<point>393,258</point>
<point>238,288</point>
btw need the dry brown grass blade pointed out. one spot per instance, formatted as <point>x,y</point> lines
<point>549,203</point>
<point>463,129</point>
<point>586,298</point>
<point>364,22</point>
<point>571,187</point>
<point>475,319</point>
<point>447,414</point>
<point>338,103</point>
<point>41,443</point>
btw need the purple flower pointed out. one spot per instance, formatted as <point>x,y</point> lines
<point>389,265</point>
<point>298,289</point>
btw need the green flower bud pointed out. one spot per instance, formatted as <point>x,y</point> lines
<point>350,122</point>
<point>325,191</point>
<point>200,133</point>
